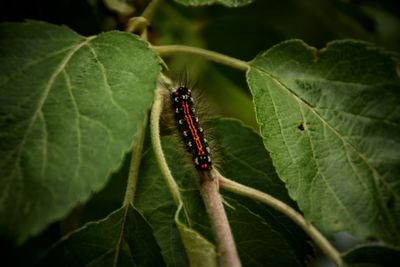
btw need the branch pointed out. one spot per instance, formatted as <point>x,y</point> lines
<point>139,24</point>
<point>228,255</point>
<point>211,55</point>
<point>120,7</point>
<point>282,207</point>
<point>150,10</point>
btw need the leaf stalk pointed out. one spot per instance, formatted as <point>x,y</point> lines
<point>150,10</point>
<point>168,50</point>
<point>139,24</point>
<point>156,143</point>
<point>134,165</point>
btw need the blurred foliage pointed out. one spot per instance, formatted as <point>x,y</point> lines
<point>262,23</point>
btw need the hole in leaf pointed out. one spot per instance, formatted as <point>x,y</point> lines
<point>301,126</point>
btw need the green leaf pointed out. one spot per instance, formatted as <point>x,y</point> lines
<point>70,107</point>
<point>123,238</point>
<point>330,120</point>
<point>259,244</point>
<point>200,251</point>
<point>228,3</point>
<point>372,256</point>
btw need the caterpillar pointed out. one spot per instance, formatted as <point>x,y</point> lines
<point>189,127</point>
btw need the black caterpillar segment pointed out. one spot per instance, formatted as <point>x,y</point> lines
<point>188,125</point>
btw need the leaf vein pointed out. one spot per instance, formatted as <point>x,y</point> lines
<point>78,123</point>
<point>107,84</point>
<point>33,63</point>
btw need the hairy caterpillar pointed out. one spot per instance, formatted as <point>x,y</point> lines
<point>190,129</point>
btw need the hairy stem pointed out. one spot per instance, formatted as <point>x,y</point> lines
<point>134,165</point>
<point>156,143</point>
<point>211,55</point>
<point>280,206</point>
<point>228,255</point>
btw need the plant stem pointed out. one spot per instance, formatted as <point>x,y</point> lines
<point>139,24</point>
<point>228,255</point>
<point>282,207</point>
<point>211,55</point>
<point>150,10</point>
<point>134,165</point>
<point>119,7</point>
<point>156,143</point>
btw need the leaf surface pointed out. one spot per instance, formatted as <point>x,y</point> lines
<point>70,107</point>
<point>200,251</point>
<point>123,238</point>
<point>330,120</point>
<point>372,255</point>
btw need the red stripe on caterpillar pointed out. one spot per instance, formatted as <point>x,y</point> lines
<point>189,127</point>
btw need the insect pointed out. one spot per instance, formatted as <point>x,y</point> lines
<point>189,127</point>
